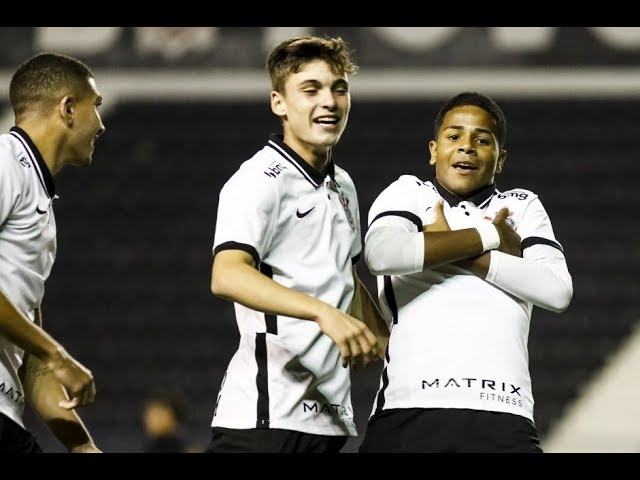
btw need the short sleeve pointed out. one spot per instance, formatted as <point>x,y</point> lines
<point>247,208</point>
<point>535,227</point>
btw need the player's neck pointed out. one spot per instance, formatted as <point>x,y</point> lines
<point>46,139</point>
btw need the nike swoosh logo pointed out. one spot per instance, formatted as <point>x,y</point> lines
<point>40,211</point>
<point>303,214</point>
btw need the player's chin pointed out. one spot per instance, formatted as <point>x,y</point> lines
<point>459,187</point>
<point>83,162</point>
<point>329,139</point>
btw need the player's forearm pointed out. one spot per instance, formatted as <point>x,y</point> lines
<point>245,285</point>
<point>25,333</point>
<point>441,248</point>
<point>390,251</point>
<point>479,266</point>
<point>365,309</point>
<point>43,392</point>
<point>69,429</point>
<point>546,283</point>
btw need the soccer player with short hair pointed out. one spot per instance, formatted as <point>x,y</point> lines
<point>286,242</point>
<point>460,265</point>
<point>55,102</point>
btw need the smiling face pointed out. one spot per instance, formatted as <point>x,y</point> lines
<point>314,106</point>
<point>466,154</point>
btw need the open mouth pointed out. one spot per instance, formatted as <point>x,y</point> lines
<point>327,120</point>
<point>465,166</point>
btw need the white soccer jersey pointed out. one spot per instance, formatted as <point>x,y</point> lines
<point>457,341</point>
<point>27,248</point>
<point>303,230</point>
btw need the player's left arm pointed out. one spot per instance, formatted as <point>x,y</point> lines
<point>540,275</point>
<point>364,308</point>
<point>43,392</point>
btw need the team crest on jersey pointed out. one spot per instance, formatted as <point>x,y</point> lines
<point>345,204</point>
<point>509,221</point>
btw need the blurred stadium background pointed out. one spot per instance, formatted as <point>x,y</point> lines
<point>184,106</point>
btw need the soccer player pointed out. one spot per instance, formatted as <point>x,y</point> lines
<point>286,242</point>
<point>460,265</point>
<point>55,102</point>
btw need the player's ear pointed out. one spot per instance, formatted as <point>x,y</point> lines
<point>432,150</point>
<point>278,105</point>
<point>502,158</point>
<point>66,108</point>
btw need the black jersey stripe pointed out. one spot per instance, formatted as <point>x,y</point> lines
<point>262,382</point>
<point>250,249</point>
<point>289,159</point>
<point>389,295</point>
<point>380,399</point>
<point>270,320</point>
<point>531,241</point>
<point>412,217</point>
<point>391,303</point>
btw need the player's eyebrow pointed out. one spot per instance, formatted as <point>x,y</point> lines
<point>460,127</point>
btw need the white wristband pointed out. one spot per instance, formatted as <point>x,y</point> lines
<point>489,236</point>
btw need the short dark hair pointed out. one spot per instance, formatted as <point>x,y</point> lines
<point>44,79</point>
<point>289,56</point>
<point>477,100</point>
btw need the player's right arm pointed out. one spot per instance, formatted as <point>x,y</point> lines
<point>44,393</point>
<point>75,378</point>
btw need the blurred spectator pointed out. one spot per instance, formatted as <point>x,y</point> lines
<point>163,416</point>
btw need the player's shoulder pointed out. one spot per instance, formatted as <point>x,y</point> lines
<point>341,173</point>
<point>11,163</point>
<point>411,180</point>
<point>411,186</point>
<point>263,167</point>
<point>408,182</point>
<point>7,146</point>
<point>257,178</point>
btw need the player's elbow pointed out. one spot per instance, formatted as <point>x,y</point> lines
<point>220,284</point>
<point>376,267</point>
<point>560,301</point>
<point>376,263</point>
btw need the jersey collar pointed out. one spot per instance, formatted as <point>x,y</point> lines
<point>45,175</point>
<point>311,174</point>
<point>479,199</point>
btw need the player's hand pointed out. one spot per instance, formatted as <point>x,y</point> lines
<point>510,241</point>
<point>358,345</point>
<point>76,379</point>
<point>440,223</point>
